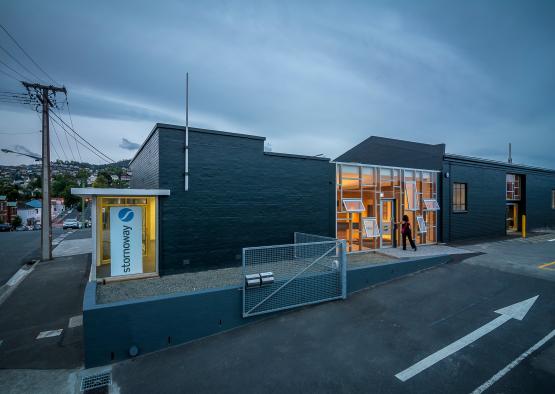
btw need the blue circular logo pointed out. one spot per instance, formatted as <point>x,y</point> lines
<point>126,215</point>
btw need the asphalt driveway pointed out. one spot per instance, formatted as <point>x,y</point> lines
<point>360,344</point>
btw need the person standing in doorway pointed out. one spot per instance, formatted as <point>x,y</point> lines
<point>406,232</point>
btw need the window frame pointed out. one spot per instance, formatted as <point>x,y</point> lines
<point>453,205</point>
<point>377,231</point>
<point>358,200</point>
<point>414,200</point>
<point>422,226</point>
<point>433,202</point>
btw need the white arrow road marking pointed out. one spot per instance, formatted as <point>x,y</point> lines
<point>551,240</point>
<point>517,361</point>
<point>515,311</point>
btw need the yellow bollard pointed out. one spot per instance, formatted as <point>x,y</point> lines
<point>523,226</point>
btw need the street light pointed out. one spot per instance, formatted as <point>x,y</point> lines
<point>22,154</point>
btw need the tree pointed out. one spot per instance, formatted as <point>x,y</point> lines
<point>103,179</point>
<point>70,199</point>
<point>16,221</point>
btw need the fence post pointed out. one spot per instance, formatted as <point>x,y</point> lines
<point>243,277</point>
<point>523,226</point>
<point>343,261</point>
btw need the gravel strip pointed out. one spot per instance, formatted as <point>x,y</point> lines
<point>216,278</point>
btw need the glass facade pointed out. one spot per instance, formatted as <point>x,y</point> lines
<point>134,219</point>
<point>371,201</point>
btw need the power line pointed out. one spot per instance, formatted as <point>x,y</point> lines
<point>70,148</point>
<point>59,142</point>
<point>81,143</point>
<point>15,71</point>
<point>18,62</point>
<point>8,75</point>
<point>71,120</point>
<point>26,54</point>
<point>79,135</point>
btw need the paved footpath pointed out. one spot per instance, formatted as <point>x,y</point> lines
<point>41,328</point>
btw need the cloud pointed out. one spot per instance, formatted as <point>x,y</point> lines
<point>126,144</point>
<point>294,74</point>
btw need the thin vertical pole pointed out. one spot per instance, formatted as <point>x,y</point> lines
<point>187,132</point>
<point>46,225</point>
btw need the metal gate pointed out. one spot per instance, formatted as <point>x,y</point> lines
<point>312,270</point>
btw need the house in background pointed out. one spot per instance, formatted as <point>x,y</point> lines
<point>29,212</point>
<point>56,206</point>
<point>3,209</point>
<point>11,208</point>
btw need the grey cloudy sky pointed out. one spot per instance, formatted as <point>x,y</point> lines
<point>313,77</point>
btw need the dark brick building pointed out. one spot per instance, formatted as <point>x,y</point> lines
<point>239,195</point>
<point>490,208</point>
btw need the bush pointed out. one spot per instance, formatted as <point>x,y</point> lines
<point>16,221</point>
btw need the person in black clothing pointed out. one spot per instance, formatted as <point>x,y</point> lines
<point>407,233</point>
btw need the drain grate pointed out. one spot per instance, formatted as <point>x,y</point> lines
<point>95,381</point>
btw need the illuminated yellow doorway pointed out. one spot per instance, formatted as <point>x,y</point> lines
<point>512,217</point>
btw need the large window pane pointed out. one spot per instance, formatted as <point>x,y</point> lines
<point>411,196</point>
<point>349,172</point>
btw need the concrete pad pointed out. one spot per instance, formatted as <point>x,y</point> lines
<point>423,251</point>
<point>72,247</point>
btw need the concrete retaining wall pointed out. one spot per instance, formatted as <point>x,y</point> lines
<point>158,322</point>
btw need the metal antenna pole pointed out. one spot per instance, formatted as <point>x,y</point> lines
<point>187,132</point>
<point>510,153</point>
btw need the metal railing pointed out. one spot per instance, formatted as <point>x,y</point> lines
<point>293,275</point>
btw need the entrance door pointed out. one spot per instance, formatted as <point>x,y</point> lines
<point>388,223</point>
<point>512,217</point>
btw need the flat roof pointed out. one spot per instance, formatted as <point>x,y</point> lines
<point>513,166</point>
<point>194,130</point>
<point>94,191</point>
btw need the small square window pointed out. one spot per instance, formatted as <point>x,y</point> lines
<point>421,224</point>
<point>353,205</point>
<point>431,204</point>
<point>371,228</point>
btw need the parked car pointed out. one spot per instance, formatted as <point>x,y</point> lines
<point>21,228</point>
<point>37,226</point>
<point>71,223</point>
<point>5,227</point>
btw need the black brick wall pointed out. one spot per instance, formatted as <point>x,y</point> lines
<point>486,200</point>
<point>238,196</point>
<point>145,167</point>
<point>539,213</point>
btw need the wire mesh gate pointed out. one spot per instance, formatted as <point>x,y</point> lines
<point>312,270</point>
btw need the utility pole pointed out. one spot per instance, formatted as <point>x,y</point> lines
<point>42,92</point>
